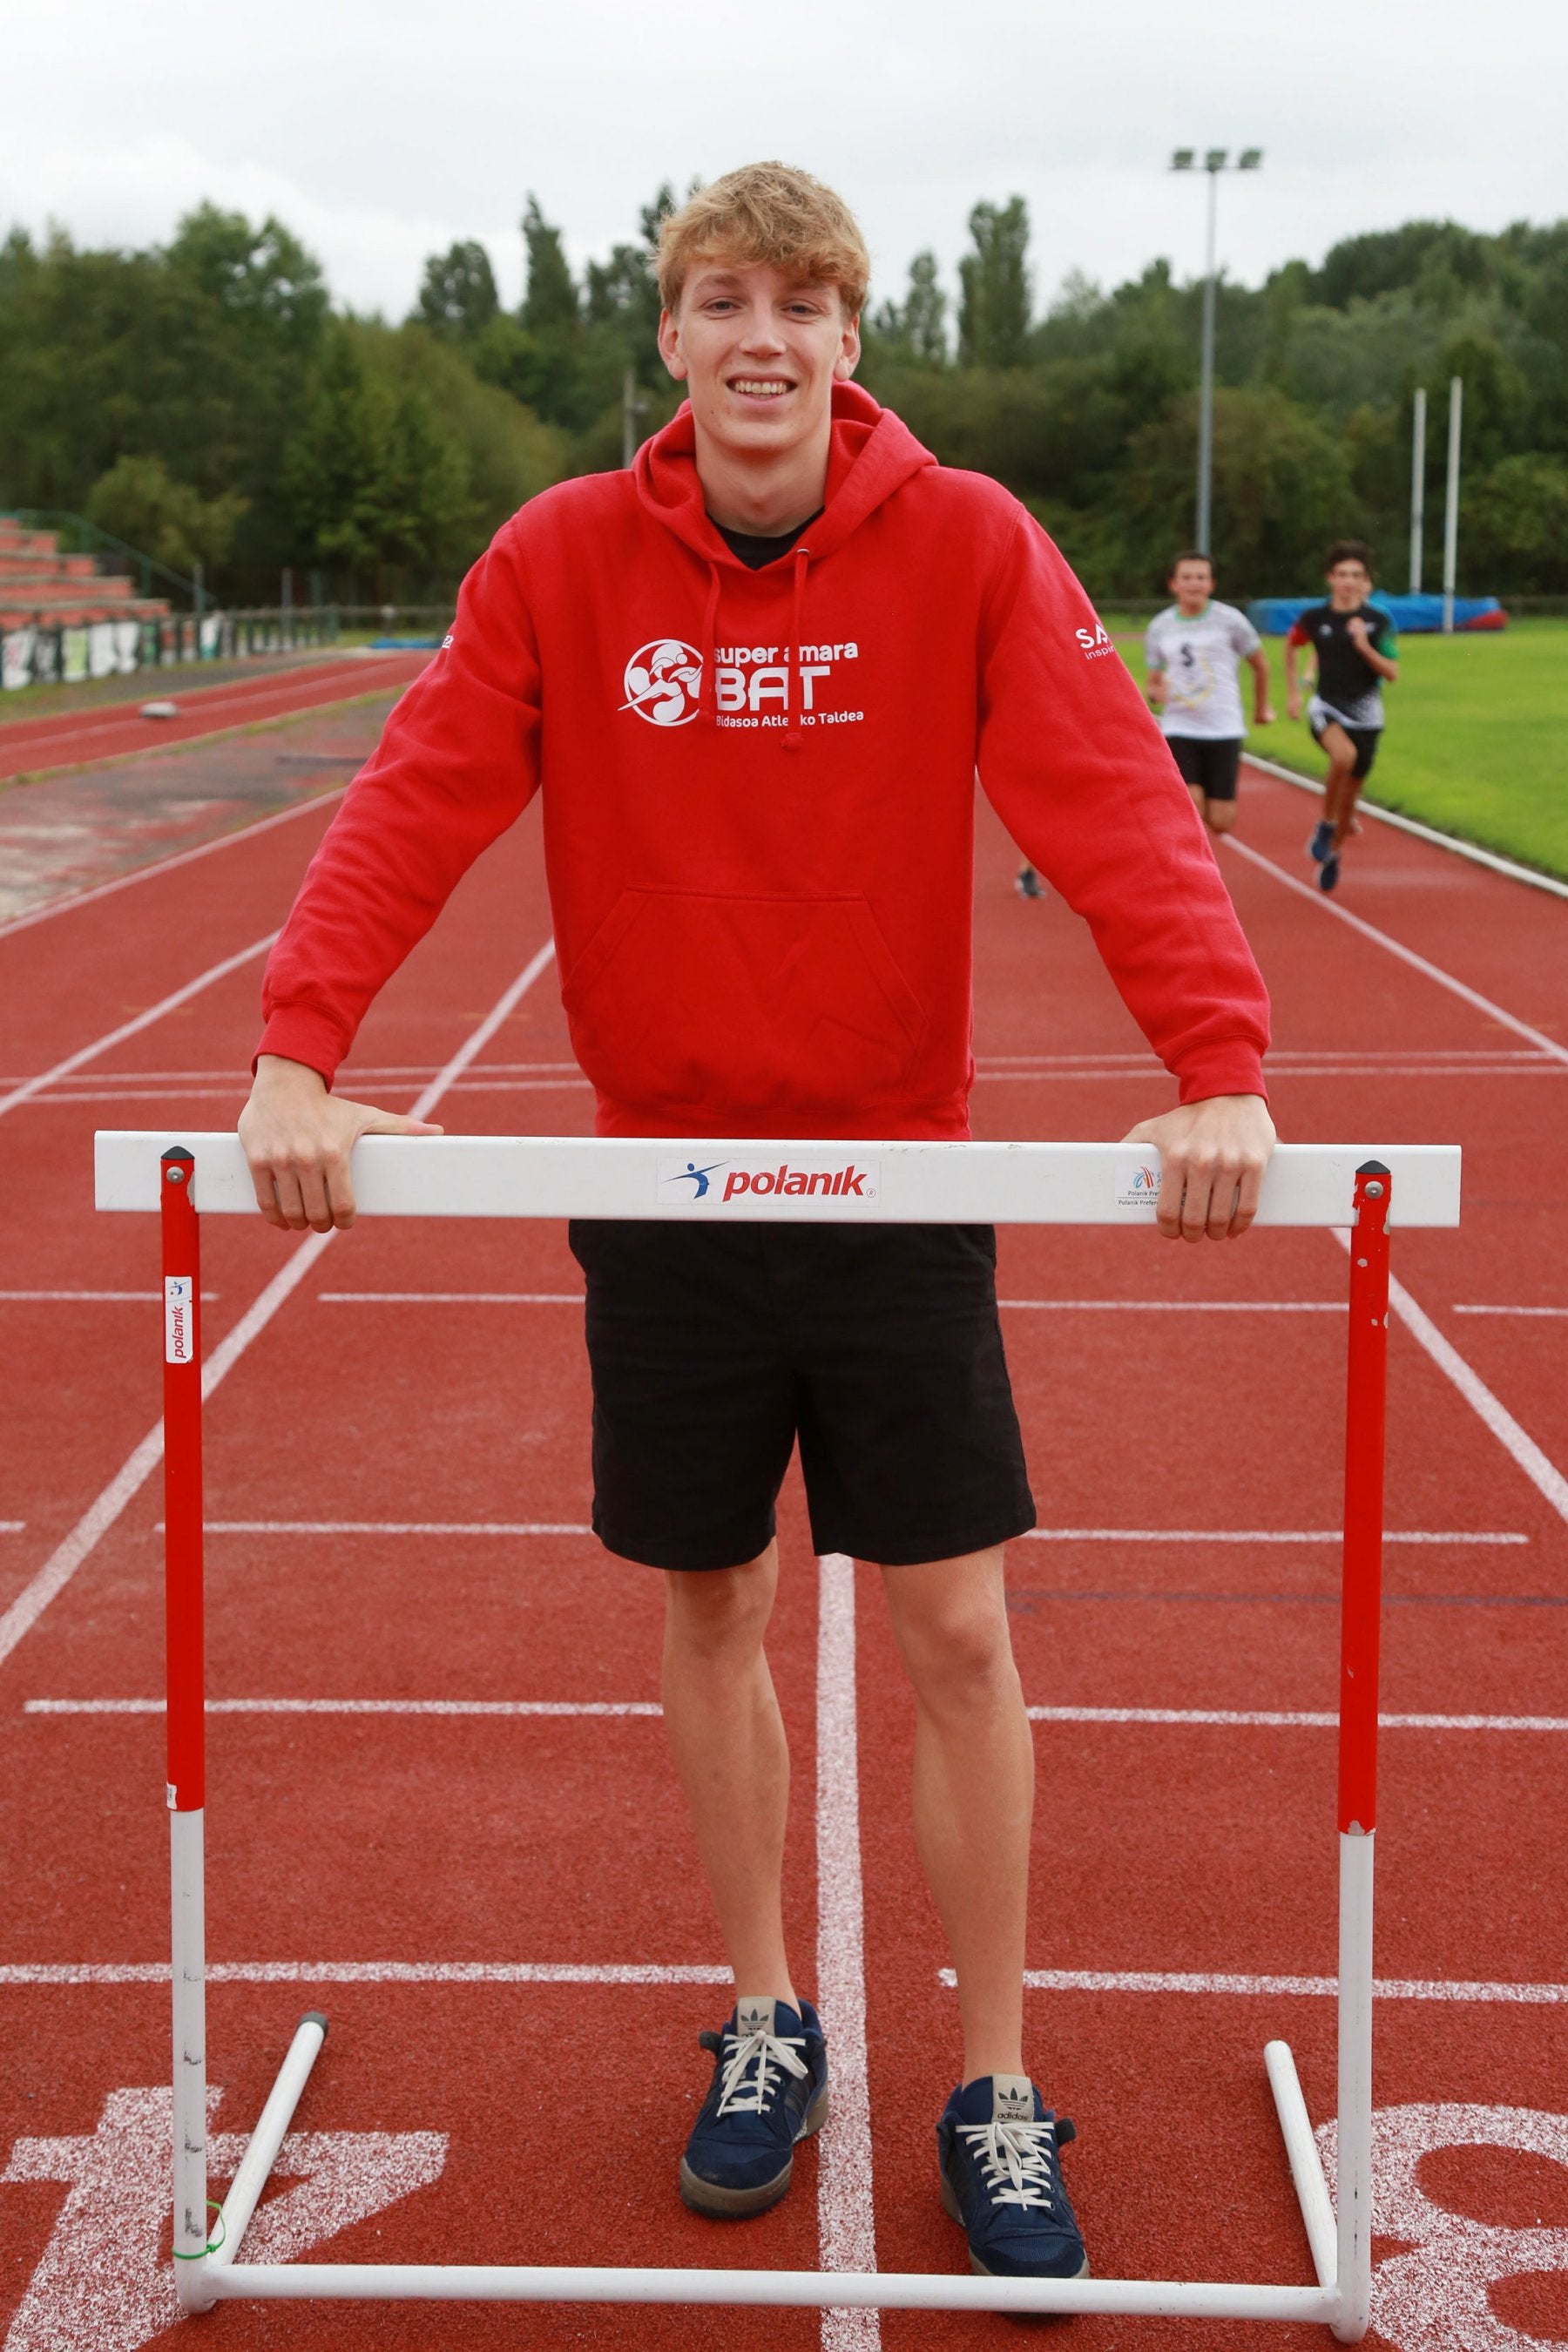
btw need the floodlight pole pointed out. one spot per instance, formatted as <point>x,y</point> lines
<point>1215,162</point>
<point>1418,486</point>
<point>1451,509</point>
<point>1203,538</point>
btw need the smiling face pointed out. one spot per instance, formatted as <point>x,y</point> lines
<point>759,354</point>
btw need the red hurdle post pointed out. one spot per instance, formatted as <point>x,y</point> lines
<point>185,1702</point>
<point>1366,1395</point>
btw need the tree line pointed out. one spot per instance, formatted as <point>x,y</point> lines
<point>206,401</point>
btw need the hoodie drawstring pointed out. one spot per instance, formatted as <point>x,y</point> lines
<point>795,734</point>
<point>708,691</point>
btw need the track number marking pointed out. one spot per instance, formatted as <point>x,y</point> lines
<point>105,2284</point>
<point>1436,2298</point>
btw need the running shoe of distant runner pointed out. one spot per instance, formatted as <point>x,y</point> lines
<point>1029,885</point>
<point>769,2090</point>
<point>998,2155</point>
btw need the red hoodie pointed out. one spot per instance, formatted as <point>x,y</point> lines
<point>758,800</point>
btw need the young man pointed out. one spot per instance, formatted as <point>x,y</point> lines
<point>752,678</point>
<point>1352,644</point>
<point>1191,649</point>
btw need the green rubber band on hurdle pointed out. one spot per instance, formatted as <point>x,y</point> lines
<point>212,2244</point>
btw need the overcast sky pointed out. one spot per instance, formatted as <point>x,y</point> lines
<point>382,130</point>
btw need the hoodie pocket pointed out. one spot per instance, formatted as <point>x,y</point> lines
<point>760,1005</point>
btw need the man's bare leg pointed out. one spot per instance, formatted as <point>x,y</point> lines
<point>1341,784</point>
<point>974,1787</point>
<point>727,1737</point>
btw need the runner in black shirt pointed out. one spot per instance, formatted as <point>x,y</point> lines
<point>1353,643</point>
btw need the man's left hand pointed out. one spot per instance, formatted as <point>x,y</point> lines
<point>1211,1159</point>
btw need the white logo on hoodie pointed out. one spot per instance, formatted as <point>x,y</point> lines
<point>662,682</point>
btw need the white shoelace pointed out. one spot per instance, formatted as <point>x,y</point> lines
<point>1019,2155</point>
<point>770,2057</point>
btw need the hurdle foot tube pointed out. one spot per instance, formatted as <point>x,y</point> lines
<point>1306,2165</point>
<point>266,2140</point>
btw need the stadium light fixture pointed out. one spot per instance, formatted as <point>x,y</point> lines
<point>1215,161</point>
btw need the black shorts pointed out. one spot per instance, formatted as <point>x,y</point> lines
<point>1365,739</point>
<point>712,1350</point>
<point>1209,764</point>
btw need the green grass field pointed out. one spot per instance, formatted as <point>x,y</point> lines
<point>1477,742</point>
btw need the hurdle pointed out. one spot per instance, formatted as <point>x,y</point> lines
<point>1352,1189</point>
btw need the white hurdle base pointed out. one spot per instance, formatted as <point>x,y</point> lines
<point>219,2279</point>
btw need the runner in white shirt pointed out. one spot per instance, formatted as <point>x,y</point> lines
<point>1193,648</point>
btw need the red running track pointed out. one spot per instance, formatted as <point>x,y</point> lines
<point>67,738</point>
<point>397,1473</point>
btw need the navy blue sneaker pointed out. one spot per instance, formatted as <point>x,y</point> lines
<point>1328,873</point>
<point>996,2149</point>
<point>769,2089</point>
<point>1029,885</point>
<point>1322,844</point>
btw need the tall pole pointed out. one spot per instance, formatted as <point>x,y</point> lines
<point>1201,536</point>
<point>1451,510</point>
<point>1417,488</point>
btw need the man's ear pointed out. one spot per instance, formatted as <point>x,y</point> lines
<point>669,349</point>
<point>849,358</point>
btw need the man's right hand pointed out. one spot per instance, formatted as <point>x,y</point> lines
<point>298,1136</point>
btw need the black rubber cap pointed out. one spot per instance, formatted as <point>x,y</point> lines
<point>314,2017</point>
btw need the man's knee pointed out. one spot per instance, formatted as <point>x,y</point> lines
<point>950,1620</point>
<point>713,1612</point>
<point>1220,816</point>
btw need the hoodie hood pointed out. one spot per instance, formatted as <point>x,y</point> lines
<point>872,454</point>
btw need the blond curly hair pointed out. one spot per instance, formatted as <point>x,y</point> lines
<point>768,213</point>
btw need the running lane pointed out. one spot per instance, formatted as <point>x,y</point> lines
<point>31,747</point>
<point>499,1907</point>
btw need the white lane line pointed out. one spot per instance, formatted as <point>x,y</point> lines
<point>1509,1310</point>
<point>1178,1306</point>
<point>504,1707</point>
<point>245,832</point>
<point>140,1296</point>
<point>101,1514</point>
<point>31,1086</point>
<point>12,1526</point>
<point>1279,1056</point>
<point>449,1297</point>
<point>1290,1720</point>
<point>236,1089</point>
<point>1259,1536</point>
<point>845,2214</point>
<point>1332,906</point>
<point>1534,1068</point>
<point>392,1528</point>
<point>1541,1472</point>
<point>1163,1980</point>
<point>416,1972</point>
<point>1448,841</point>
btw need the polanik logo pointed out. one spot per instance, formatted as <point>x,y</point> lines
<point>689,1182</point>
<point>662,682</point>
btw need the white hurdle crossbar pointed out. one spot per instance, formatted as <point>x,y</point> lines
<point>1352,1186</point>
